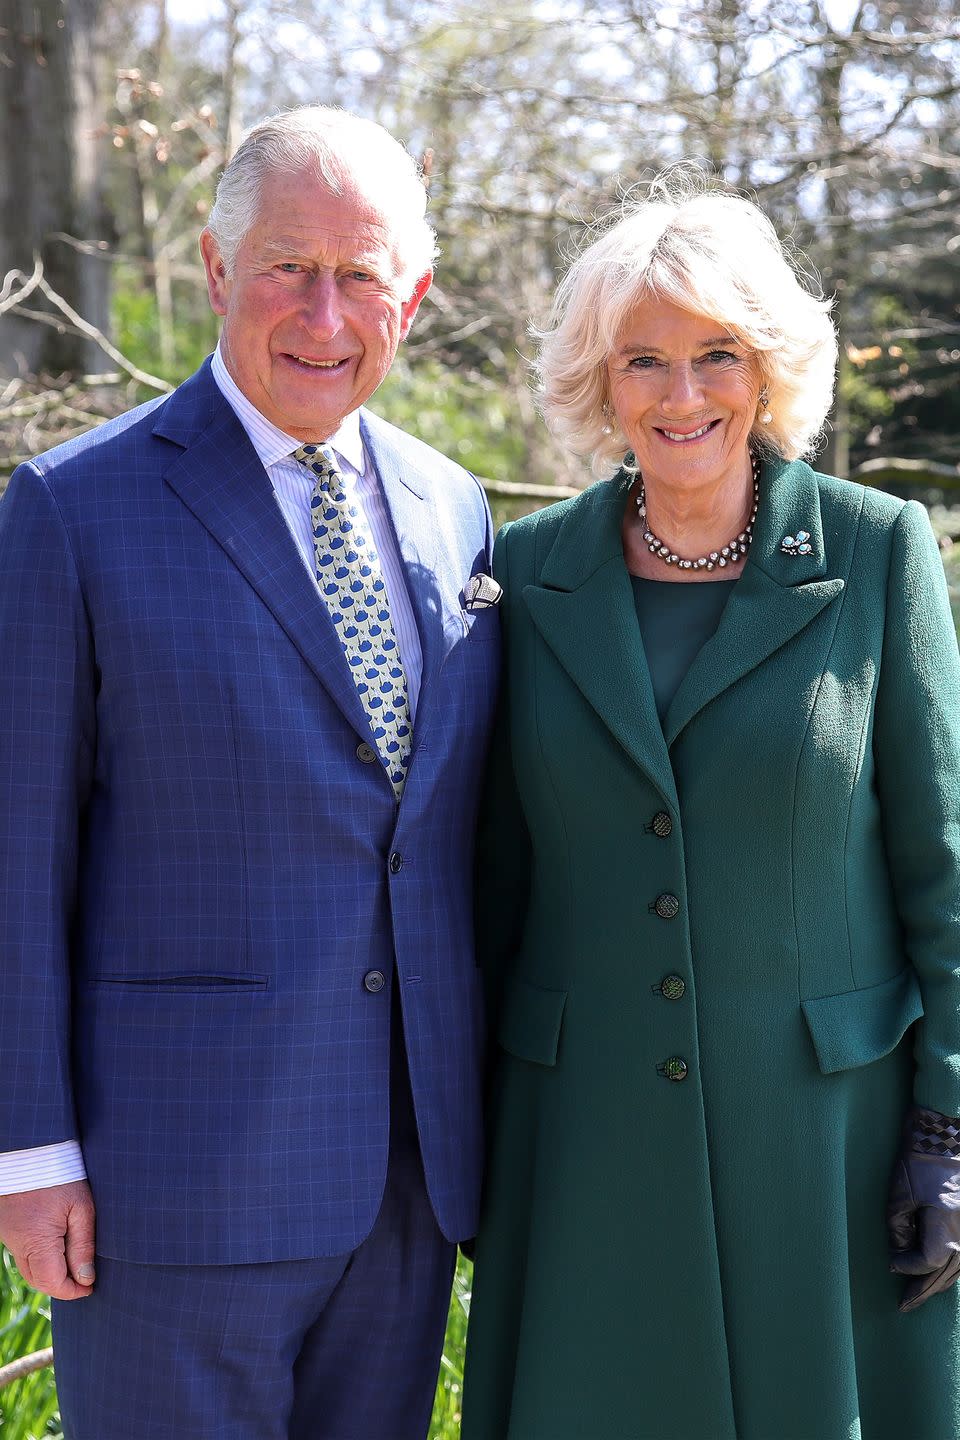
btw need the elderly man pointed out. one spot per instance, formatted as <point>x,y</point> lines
<point>248,682</point>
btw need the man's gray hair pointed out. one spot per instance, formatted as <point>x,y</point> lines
<point>336,147</point>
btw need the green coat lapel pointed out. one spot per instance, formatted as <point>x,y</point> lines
<point>776,596</point>
<point>584,609</point>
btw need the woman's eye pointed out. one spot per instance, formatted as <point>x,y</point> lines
<point>642,362</point>
<point>720,357</point>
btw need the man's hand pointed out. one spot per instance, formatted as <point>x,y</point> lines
<point>50,1235</point>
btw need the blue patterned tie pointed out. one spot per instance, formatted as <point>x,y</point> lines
<point>351,582</point>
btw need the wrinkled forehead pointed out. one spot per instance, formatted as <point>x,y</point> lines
<point>300,212</point>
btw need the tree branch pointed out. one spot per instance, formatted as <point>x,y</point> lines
<point>26,1365</point>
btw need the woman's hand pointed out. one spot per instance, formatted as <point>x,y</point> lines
<point>923,1211</point>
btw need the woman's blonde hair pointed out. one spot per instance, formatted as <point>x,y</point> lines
<point>700,246</point>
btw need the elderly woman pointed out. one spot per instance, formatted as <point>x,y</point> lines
<point>722,889</point>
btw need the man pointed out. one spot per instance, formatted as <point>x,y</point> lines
<point>245,708</point>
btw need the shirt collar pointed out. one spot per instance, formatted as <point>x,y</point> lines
<point>270,442</point>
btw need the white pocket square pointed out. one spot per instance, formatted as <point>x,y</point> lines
<point>481,592</point>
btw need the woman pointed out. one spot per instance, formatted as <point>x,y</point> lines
<point>724,889</point>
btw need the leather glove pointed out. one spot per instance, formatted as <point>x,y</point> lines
<point>923,1211</point>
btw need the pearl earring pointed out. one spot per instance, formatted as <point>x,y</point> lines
<point>764,401</point>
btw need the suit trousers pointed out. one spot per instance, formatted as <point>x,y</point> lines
<point>345,1348</point>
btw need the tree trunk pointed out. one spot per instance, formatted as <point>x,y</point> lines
<point>50,175</point>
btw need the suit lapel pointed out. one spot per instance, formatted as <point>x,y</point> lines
<point>413,511</point>
<point>777,595</point>
<point>220,478</point>
<point>585,611</point>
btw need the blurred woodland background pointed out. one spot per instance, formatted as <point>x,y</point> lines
<point>532,119</point>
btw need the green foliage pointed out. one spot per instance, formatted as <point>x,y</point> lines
<point>135,329</point>
<point>951,564</point>
<point>28,1407</point>
<point>474,421</point>
<point>446,1408</point>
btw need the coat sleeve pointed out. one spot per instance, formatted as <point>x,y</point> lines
<point>503,843</point>
<point>47,707</point>
<point>917,743</point>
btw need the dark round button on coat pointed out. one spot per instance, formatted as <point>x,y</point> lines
<point>396,863</point>
<point>675,1068</point>
<point>374,981</point>
<point>672,987</point>
<point>366,753</point>
<point>667,906</point>
<point>661,824</point>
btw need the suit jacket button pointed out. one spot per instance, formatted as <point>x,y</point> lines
<point>374,981</point>
<point>667,906</point>
<point>396,863</point>
<point>674,1069</point>
<point>366,753</point>
<point>672,987</point>
<point>661,825</point>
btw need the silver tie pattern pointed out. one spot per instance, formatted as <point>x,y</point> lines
<point>351,582</point>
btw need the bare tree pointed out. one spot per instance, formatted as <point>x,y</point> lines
<point>51,198</point>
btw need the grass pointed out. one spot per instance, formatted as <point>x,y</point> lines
<point>446,1407</point>
<point>28,1407</point>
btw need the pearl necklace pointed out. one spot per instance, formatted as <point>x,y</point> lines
<point>729,554</point>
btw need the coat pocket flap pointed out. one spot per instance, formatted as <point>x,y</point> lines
<point>862,1025</point>
<point>530,1020</point>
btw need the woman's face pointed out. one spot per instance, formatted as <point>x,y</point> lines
<point>685,394</point>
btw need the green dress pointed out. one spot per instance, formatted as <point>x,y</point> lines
<point>722,954</point>
<point>676,620</point>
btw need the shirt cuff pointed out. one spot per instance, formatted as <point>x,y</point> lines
<point>40,1167</point>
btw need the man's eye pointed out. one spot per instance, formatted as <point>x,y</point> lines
<point>290,267</point>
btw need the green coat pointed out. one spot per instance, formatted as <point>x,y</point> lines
<point>706,1258</point>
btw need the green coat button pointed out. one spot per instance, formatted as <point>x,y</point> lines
<point>675,1068</point>
<point>672,987</point>
<point>667,906</point>
<point>661,825</point>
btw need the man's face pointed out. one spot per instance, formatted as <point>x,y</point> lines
<point>312,311</point>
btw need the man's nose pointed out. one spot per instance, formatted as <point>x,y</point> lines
<point>322,311</point>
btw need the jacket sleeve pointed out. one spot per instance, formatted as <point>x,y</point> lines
<point>47,708</point>
<point>503,842</point>
<point>917,746</point>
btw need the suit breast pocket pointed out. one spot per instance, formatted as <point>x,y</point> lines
<point>483,626</point>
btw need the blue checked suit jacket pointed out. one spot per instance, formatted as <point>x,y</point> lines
<point>195,864</point>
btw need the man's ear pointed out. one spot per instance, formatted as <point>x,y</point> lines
<point>218,284</point>
<point>410,307</point>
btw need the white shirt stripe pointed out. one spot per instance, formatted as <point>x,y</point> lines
<point>40,1167</point>
<point>46,1165</point>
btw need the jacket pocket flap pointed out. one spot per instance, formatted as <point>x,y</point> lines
<point>530,1020</point>
<point>862,1025</point>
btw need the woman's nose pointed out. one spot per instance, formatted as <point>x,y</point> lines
<point>684,391</point>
